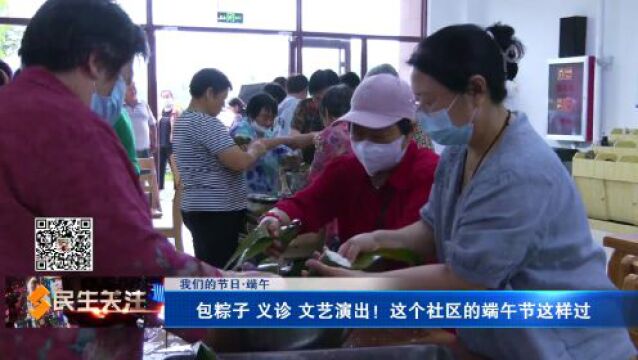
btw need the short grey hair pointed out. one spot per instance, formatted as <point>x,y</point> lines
<point>382,69</point>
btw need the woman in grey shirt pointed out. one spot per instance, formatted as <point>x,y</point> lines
<point>503,212</point>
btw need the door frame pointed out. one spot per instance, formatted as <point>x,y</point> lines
<point>296,47</point>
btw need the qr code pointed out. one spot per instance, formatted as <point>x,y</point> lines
<point>63,244</point>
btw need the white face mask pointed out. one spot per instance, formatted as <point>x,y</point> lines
<point>378,157</point>
<point>260,129</point>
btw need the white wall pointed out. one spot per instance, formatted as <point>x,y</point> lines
<point>620,79</point>
<point>442,13</point>
<point>537,24</point>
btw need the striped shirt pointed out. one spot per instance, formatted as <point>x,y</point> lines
<point>208,184</point>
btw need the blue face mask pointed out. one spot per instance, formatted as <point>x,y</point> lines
<point>439,127</point>
<point>110,107</point>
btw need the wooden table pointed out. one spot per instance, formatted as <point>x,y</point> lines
<point>623,265</point>
<point>624,260</point>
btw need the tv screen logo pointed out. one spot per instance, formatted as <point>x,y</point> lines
<point>37,298</point>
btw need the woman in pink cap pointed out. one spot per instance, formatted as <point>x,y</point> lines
<point>382,184</point>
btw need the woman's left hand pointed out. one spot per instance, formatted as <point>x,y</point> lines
<point>315,265</point>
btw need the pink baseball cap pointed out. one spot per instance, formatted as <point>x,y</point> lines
<point>381,101</point>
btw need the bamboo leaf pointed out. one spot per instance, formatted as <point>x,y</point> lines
<point>245,244</point>
<point>203,352</point>
<point>289,233</point>
<point>258,241</point>
<point>366,260</point>
<point>257,248</point>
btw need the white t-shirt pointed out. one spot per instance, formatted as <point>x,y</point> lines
<point>142,119</point>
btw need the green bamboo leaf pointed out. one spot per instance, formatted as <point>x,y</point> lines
<point>289,233</point>
<point>257,248</point>
<point>203,352</point>
<point>245,244</point>
<point>366,260</point>
<point>258,240</point>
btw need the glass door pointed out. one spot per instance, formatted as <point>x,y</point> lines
<point>323,54</point>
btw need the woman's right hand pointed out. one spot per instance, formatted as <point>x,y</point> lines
<point>302,141</point>
<point>257,148</point>
<point>272,225</point>
<point>361,243</point>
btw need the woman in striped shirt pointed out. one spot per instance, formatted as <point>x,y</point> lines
<point>212,169</point>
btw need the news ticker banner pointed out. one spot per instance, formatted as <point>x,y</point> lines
<point>71,301</point>
<point>334,303</point>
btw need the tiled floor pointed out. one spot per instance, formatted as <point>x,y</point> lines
<point>166,198</point>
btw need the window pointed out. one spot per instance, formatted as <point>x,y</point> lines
<point>252,56</point>
<point>244,58</point>
<point>19,8</point>
<point>370,17</point>
<point>10,38</point>
<point>136,9</point>
<point>27,8</point>
<point>355,56</point>
<point>319,54</point>
<point>321,59</point>
<point>340,56</point>
<point>391,52</point>
<point>257,14</point>
<point>140,77</point>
